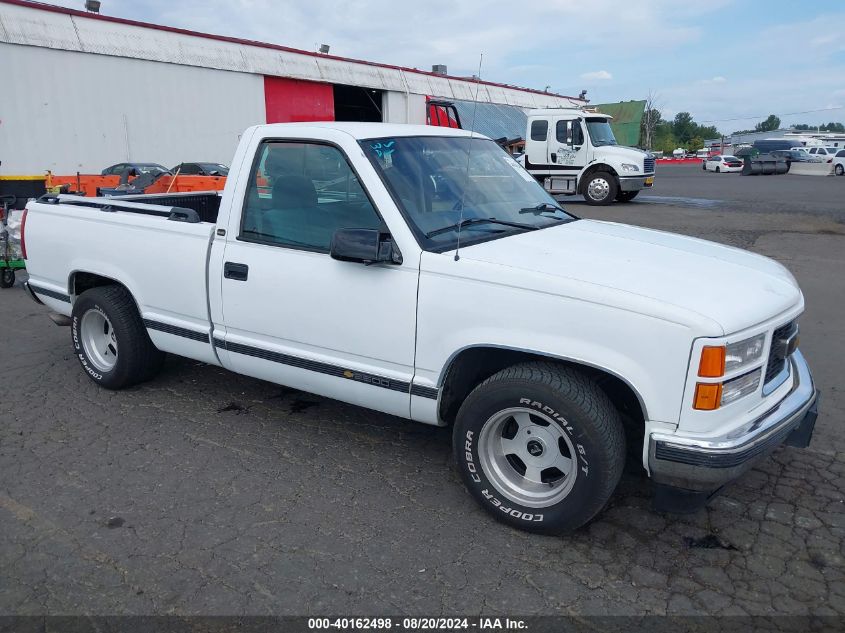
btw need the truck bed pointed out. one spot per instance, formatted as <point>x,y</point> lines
<point>158,252</point>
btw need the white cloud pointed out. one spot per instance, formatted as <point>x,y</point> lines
<point>718,80</point>
<point>597,75</point>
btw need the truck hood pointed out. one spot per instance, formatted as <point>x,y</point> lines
<point>621,153</point>
<point>665,275</point>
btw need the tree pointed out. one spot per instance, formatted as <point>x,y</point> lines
<point>651,119</point>
<point>683,127</point>
<point>771,123</point>
<point>694,144</point>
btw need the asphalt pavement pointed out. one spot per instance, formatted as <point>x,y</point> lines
<point>204,492</point>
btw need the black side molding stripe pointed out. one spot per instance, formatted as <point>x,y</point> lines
<point>424,392</point>
<point>176,330</point>
<point>328,369</point>
<point>50,293</point>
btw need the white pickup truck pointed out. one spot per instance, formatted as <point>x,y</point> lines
<point>421,272</point>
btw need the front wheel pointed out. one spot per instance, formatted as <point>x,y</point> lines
<point>7,278</point>
<point>718,170</point>
<point>600,188</point>
<point>626,196</point>
<point>840,170</point>
<point>110,339</point>
<point>540,447</point>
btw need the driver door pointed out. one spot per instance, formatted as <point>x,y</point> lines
<point>293,315</point>
<point>568,146</point>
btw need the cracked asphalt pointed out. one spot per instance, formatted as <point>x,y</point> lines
<point>204,492</point>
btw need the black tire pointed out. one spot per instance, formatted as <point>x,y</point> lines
<point>604,181</point>
<point>626,196</point>
<point>704,165</point>
<point>718,170</point>
<point>136,359</point>
<point>7,278</point>
<point>591,425</point>
<point>839,170</point>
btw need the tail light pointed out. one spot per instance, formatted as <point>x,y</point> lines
<point>23,232</point>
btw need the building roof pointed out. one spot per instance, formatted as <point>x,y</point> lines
<point>38,24</point>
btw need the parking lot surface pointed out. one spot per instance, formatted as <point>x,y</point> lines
<point>204,492</point>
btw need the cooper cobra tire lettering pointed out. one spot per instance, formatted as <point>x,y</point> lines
<point>78,347</point>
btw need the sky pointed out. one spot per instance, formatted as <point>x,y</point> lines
<point>728,62</point>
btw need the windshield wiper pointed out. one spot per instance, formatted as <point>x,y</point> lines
<point>540,208</point>
<point>471,221</point>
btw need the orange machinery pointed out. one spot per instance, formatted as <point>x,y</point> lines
<point>90,184</point>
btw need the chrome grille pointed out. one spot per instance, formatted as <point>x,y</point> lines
<point>648,165</point>
<point>779,350</point>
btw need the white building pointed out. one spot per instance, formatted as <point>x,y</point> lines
<point>82,91</point>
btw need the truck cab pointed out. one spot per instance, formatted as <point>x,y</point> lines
<point>573,151</point>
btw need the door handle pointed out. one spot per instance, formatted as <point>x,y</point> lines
<point>238,272</point>
<point>554,157</point>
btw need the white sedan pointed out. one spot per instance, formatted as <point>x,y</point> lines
<point>839,163</point>
<point>720,163</point>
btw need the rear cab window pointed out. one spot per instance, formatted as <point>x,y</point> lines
<point>539,130</point>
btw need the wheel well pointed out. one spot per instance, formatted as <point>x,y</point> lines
<point>593,169</point>
<point>473,366</point>
<point>79,282</point>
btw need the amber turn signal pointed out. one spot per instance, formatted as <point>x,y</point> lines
<point>707,396</point>
<point>712,364</point>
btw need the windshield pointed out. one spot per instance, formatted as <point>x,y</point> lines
<point>145,168</point>
<point>439,182</point>
<point>214,167</point>
<point>600,132</point>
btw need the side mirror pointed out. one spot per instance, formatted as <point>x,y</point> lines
<point>365,246</point>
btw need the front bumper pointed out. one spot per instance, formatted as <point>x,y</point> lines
<point>636,183</point>
<point>700,466</point>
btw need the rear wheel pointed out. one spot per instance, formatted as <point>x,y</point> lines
<point>600,188</point>
<point>540,447</point>
<point>626,196</point>
<point>110,339</point>
<point>840,170</point>
<point>704,165</point>
<point>7,278</point>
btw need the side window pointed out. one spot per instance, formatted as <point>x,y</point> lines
<point>190,169</point>
<point>539,130</point>
<point>300,194</point>
<point>577,133</point>
<point>562,132</point>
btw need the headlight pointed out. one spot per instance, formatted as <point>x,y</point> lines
<point>738,387</point>
<point>744,353</point>
<point>630,167</point>
<point>716,361</point>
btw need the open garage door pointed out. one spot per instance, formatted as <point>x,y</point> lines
<point>353,103</point>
